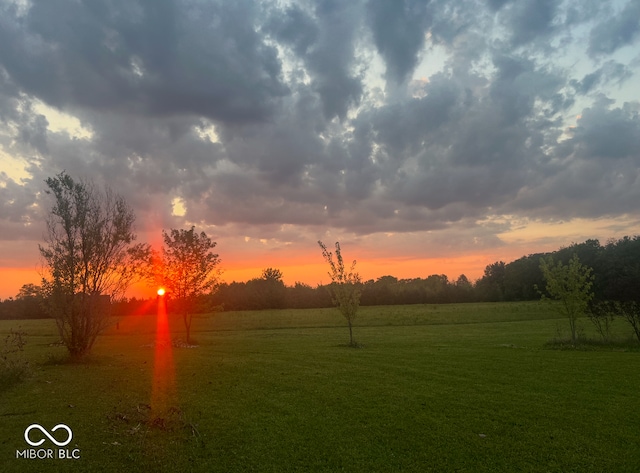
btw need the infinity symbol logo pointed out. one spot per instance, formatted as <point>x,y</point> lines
<point>47,434</point>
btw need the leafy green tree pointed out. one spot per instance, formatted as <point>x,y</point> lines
<point>570,285</point>
<point>187,268</point>
<point>90,258</point>
<point>345,286</point>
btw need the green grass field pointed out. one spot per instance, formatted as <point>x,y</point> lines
<point>468,387</point>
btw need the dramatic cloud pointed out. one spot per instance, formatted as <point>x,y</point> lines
<point>401,123</point>
<point>398,30</point>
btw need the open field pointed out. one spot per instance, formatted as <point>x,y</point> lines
<point>468,387</point>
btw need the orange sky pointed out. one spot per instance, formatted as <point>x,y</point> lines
<point>407,255</point>
<point>309,269</point>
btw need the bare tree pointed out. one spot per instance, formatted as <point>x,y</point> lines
<point>345,287</point>
<point>187,268</point>
<point>89,257</point>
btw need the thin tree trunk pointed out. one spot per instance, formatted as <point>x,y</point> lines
<point>187,324</point>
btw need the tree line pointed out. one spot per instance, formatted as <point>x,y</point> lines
<point>615,265</point>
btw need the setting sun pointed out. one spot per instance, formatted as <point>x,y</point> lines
<point>161,291</point>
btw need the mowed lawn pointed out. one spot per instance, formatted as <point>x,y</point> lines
<point>464,387</point>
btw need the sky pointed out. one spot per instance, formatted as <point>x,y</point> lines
<point>427,137</point>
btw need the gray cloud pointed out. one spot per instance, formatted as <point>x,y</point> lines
<point>399,33</point>
<point>608,134</point>
<point>365,116</point>
<point>617,31</point>
<point>531,20</point>
<point>156,57</point>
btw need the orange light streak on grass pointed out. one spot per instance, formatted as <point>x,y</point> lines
<point>163,389</point>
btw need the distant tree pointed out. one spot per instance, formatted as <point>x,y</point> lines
<point>29,290</point>
<point>570,285</point>
<point>303,296</point>
<point>491,285</point>
<point>383,291</point>
<point>273,288</point>
<point>230,296</point>
<point>90,258</point>
<point>521,277</point>
<point>30,302</point>
<point>265,292</point>
<point>345,286</point>
<point>436,288</point>
<point>619,275</point>
<point>187,268</point>
<point>272,274</point>
<point>462,289</point>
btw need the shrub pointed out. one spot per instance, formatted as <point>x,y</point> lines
<point>13,368</point>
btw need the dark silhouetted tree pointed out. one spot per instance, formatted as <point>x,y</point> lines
<point>462,289</point>
<point>187,268</point>
<point>30,302</point>
<point>491,285</point>
<point>273,288</point>
<point>90,258</point>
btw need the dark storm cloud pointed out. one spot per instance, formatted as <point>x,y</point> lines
<point>152,57</point>
<point>261,113</point>
<point>403,127</point>
<point>520,83</point>
<point>323,38</point>
<point>608,134</point>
